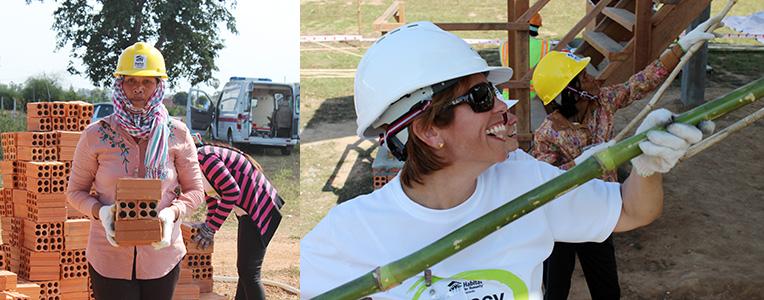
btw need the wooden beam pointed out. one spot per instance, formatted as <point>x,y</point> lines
<point>621,16</point>
<point>581,24</point>
<point>395,11</point>
<point>518,60</point>
<point>515,84</point>
<point>605,45</point>
<point>498,26</point>
<point>526,17</point>
<point>642,34</point>
<point>665,31</point>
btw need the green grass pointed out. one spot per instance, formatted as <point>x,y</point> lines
<point>320,92</point>
<point>331,59</point>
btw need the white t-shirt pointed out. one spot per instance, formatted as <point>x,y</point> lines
<point>375,229</point>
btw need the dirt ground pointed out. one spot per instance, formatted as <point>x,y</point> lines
<point>281,260</point>
<point>708,243</point>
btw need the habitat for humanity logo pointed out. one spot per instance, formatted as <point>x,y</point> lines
<point>473,285</point>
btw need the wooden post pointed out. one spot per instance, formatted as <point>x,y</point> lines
<point>518,59</point>
<point>642,29</point>
<point>694,72</point>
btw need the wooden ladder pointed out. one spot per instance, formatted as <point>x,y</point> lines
<point>632,34</point>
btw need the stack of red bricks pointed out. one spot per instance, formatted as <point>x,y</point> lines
<point>195,268</point>
<point>384,167</point>
<point>42,241</point>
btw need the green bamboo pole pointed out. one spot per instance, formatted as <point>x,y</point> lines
<point>388,276</point>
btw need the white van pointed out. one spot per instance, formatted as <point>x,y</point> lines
<point>253,111</point>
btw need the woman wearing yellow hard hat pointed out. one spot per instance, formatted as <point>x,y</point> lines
<point>582,116</point>
<point>138,140</point>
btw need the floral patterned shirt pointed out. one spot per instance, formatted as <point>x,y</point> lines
<point>558,141</point>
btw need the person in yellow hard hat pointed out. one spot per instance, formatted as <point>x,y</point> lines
<point>138,141</point>
<point>582,117</point>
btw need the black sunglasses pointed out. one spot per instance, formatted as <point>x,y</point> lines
<point>480,97</point>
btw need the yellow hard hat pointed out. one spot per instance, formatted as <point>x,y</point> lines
<point>554,72</point>
<point>141,59</point>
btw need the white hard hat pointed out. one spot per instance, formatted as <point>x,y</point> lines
<point>407,61</point>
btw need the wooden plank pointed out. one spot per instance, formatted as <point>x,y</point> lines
<point>581,24</point>
<point>664,33</point>
<point>495,26</point>
<point>519,62</point>
<point>621,16</point>
<point>605,45</point>
<point>395,10</point>
<point>528,14</point>
<point>642,29</point>
<point>515,84</point>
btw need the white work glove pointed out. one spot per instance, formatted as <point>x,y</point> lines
<point>167,216</point>
<point>591,150</point>
<point>663,149</point>
<point>698,34</point>
<point>106,215</point>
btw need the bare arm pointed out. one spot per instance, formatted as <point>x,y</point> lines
<point>642,201</point>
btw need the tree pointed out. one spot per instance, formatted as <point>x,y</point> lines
<point>71,94</point>
<point>180,98</point>
<point>186,32</point>
<point>41,88</point>
<point>8,93</point>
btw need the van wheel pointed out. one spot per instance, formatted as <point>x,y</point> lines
<point>230,138</point>
<point>286,150</point>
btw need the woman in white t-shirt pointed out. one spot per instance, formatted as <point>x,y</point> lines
<point>432,101</point>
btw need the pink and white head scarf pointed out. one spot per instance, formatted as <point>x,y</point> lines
<point>139,123</point>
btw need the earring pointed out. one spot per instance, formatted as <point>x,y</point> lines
<point>440,146</point>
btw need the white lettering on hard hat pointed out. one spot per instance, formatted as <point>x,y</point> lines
<point>139,62</point>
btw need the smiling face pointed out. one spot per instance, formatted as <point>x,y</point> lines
<point>139,89</point>
<point>479,137</point>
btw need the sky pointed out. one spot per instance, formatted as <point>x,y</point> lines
<point>267,44</point>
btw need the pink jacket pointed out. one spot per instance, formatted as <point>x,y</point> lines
<point>105,153</point>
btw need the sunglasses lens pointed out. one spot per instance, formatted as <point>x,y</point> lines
<point>482,98</point>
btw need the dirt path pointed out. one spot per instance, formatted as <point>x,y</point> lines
<point>281,261</point>
<point>709,242</point>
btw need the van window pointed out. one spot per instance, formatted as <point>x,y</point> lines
<point>228,99</point>
<point>105,111</point>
